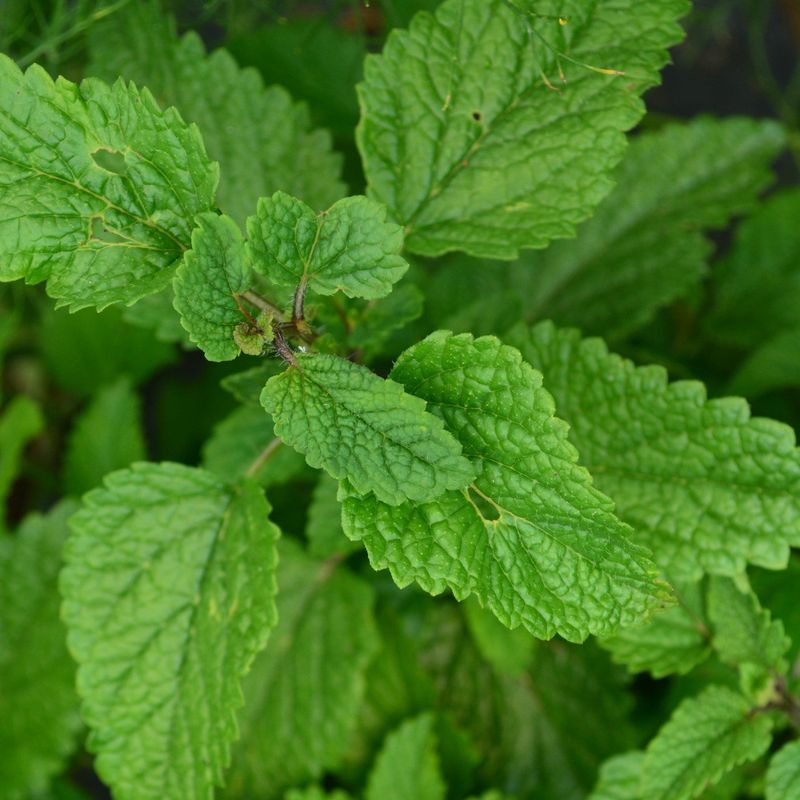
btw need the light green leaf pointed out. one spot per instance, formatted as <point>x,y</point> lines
<point>99,187</point>
<point>705,486</point>
<point>509,652</point>
<point>783,774</point>
<point>408,767</point>
<point>261,138</point>
<point>531,537</point>
<point>706,737</point>
<point>355,425</point>
<point>465,139</point>
<point>245,441</point>
<point>38,704</point>
<point>757,287</point>
<point>303,694</point>
<point>348,248</point>
<point>619,777</point>
<point>672,642</point>
<point>743,631</point>
<point>207,283</point>
<point>86,351</point>
<point>107,436</point>
<point>168,596</point>
<point>21,420</point>
<point>324,528</point>
<point>645,247</point>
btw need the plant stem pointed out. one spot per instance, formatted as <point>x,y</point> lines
<point>283,349</point>
<point>263,457</point>
<point>298,306</point>
<point>262,304</point>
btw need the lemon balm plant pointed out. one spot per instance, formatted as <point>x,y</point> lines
<point>542,488</point>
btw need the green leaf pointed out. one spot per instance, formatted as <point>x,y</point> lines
<point>62,790</point>
<point>247,386</point>
<point>477,296</point>
<point>9,322</point>
<point>743,631</point>
<point>509,652</point>
<point>399,15</point>
<point>370,329</point>
<point>778,592</point>
<point>492,794</point>
<point>207,283</point>
<point>706,737</point>
<point>783,774</point>
<point>465,139</point>
<point>303,694</point>
<point>107,436</point>
<point>408,767</point>
<point>672,642</point>
<point>355,425</point>
<point>397,687</point>
<point>645,247</point>
<point>757,287</point>
<point>86,351</point>
<point>382,318</point>
<point>542,734</point>
<point>619,778</point>
<point>315,793</point>
<point>100,187</point>
<point>531,537</point>
<point>245,438</point>
<point>168,595</point>
<point>705,486</point>
<point>38,704</point>
<point>772,366</point>
<point>324,528</point>
<point>157,313</point>
<point>261,138</point>
<point>316,61</point>
<point>348,248</point>
<point>20,422</point>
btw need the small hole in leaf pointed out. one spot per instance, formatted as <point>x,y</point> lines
<point>488,511</point>
<point>99,232</point>
<point>110,161</point>
<point>477,116</point>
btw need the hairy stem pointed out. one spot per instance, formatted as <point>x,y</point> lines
<point>282,348</point>
<point>263,457</point>
<point>262,304</point>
